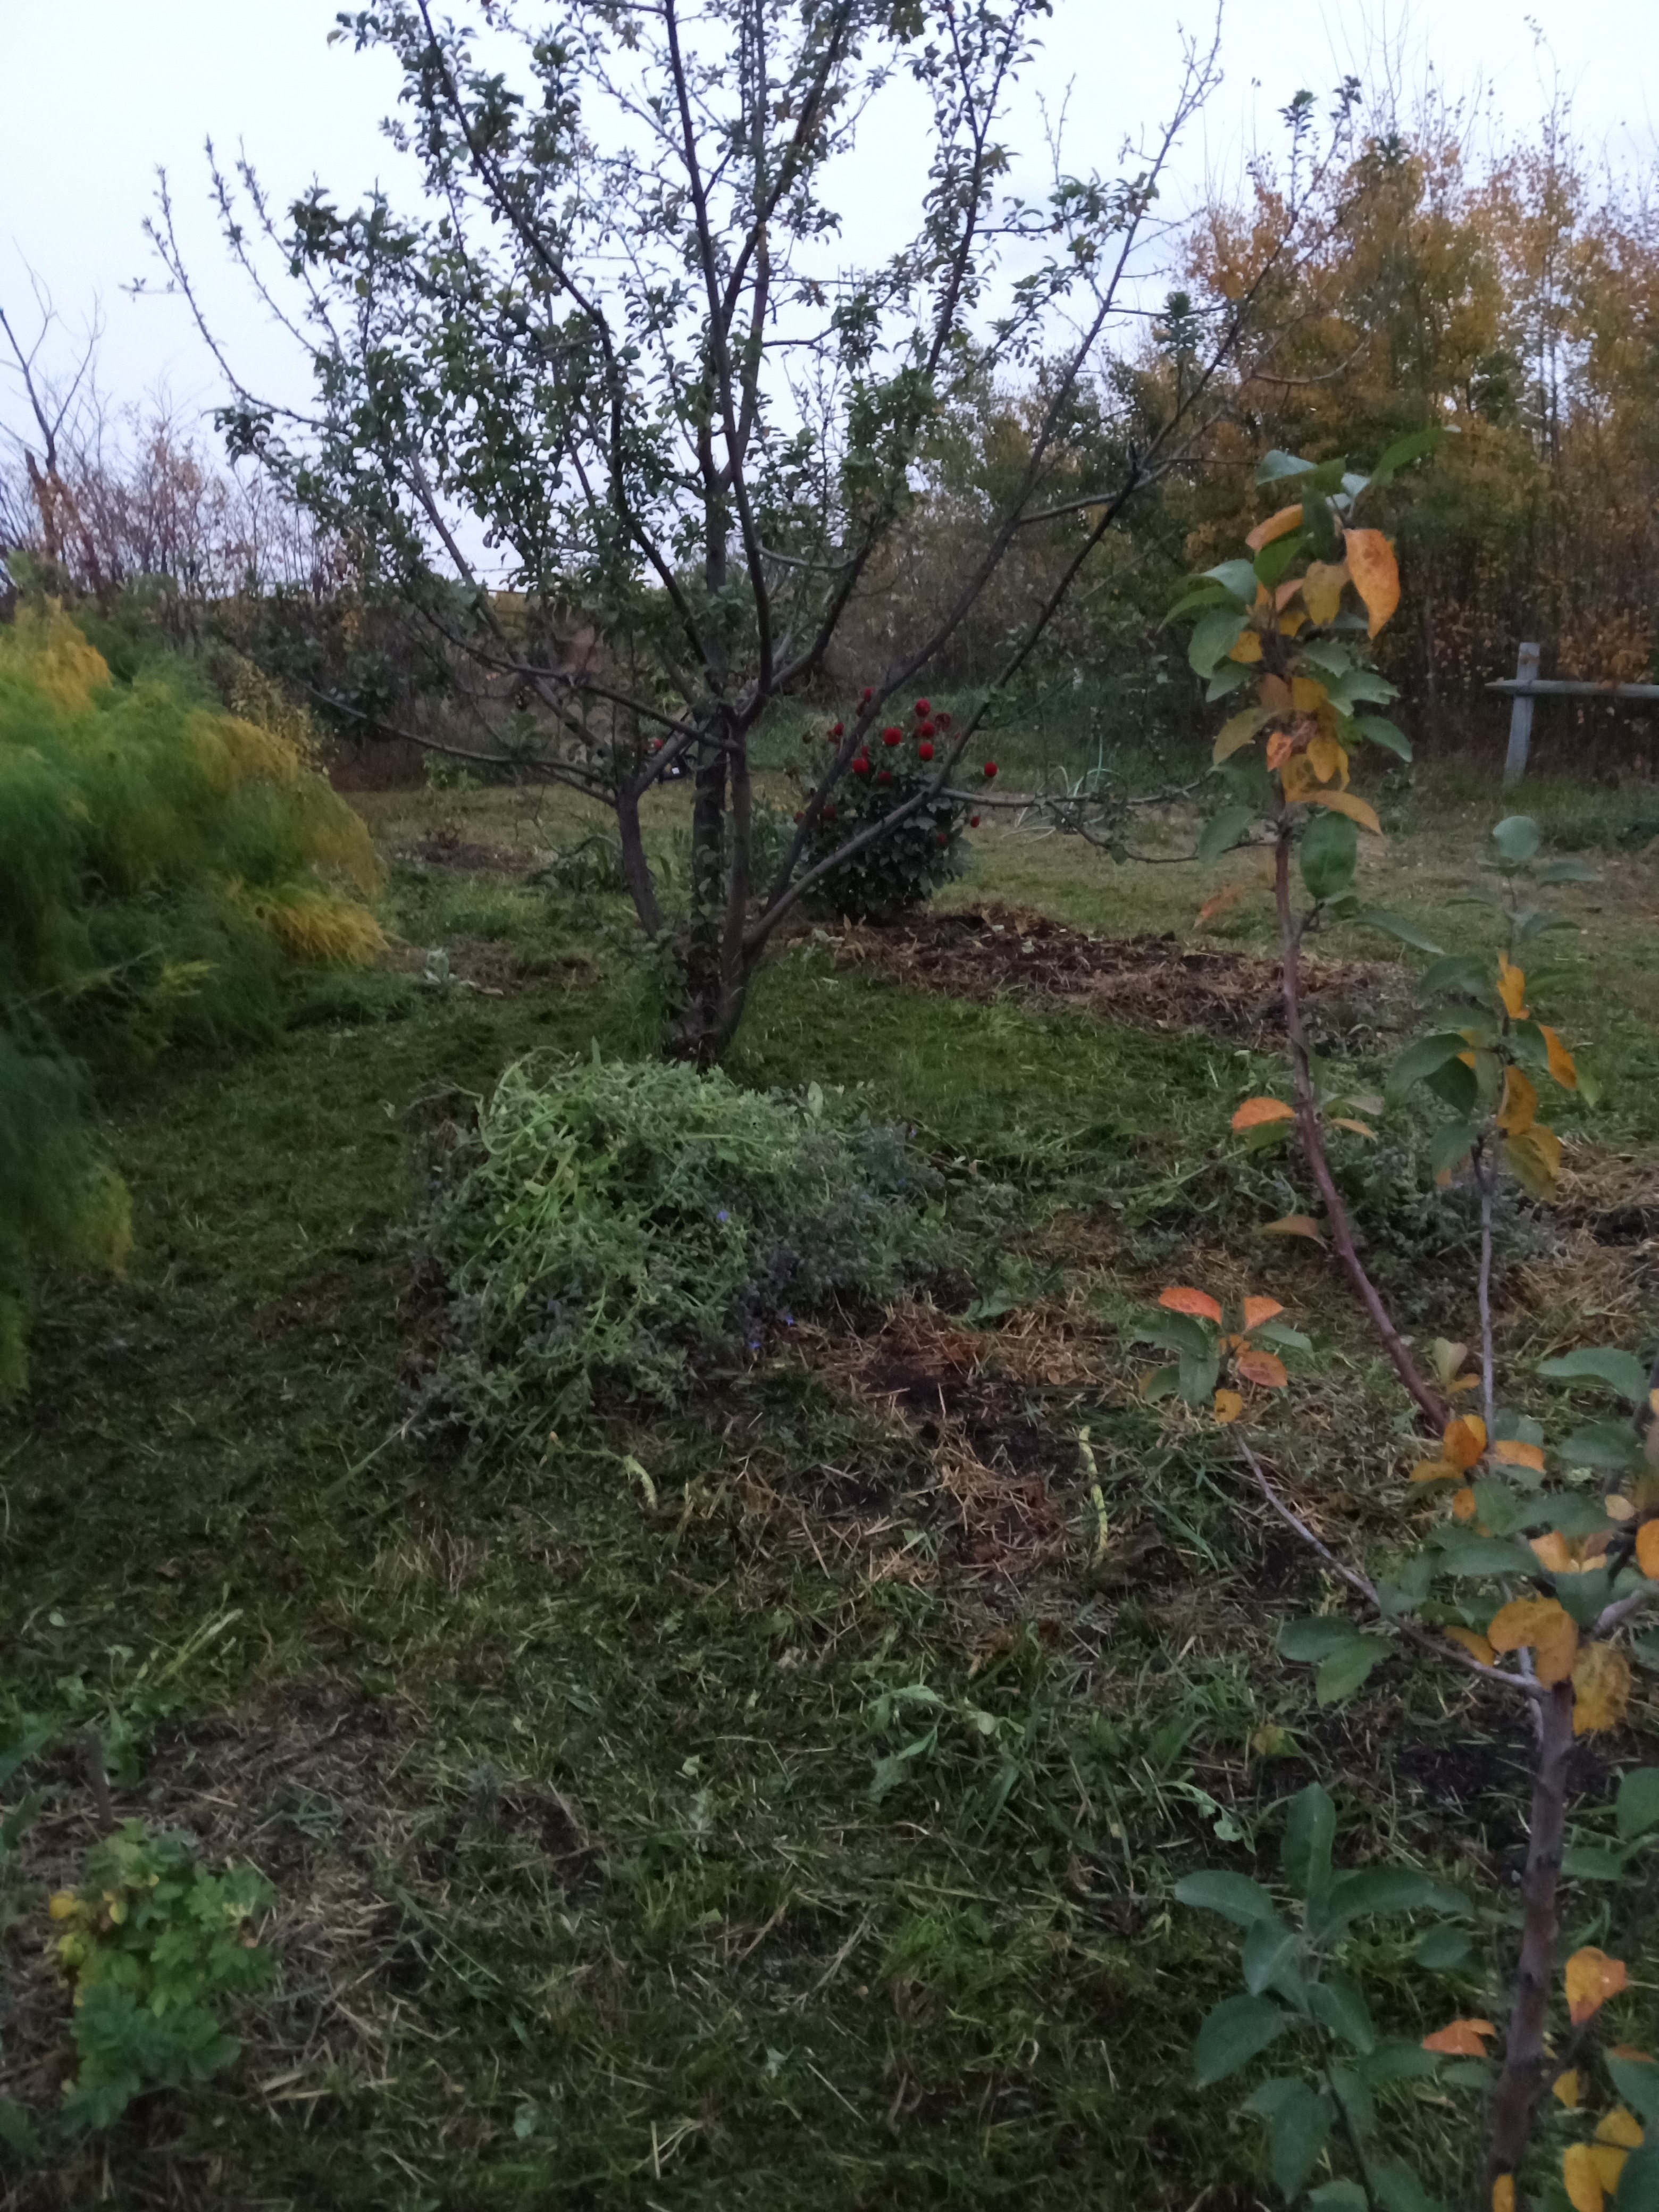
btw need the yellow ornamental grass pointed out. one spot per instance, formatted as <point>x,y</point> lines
<point>315,925</point>
<point>45,647</point>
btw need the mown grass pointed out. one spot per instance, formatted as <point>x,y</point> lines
<point>612,1910</point>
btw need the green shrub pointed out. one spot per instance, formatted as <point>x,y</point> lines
<point>909,864</point>
<point>161,863</point>
<point>619,1225</point>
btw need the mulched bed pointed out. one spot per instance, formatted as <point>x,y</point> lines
<point>1148,982</point>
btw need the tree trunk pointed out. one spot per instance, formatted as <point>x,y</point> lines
<point>1521,2084</point>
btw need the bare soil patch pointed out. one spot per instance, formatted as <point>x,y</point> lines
<point>1155,982</point>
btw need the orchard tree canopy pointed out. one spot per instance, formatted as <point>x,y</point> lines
<point>620,409</point>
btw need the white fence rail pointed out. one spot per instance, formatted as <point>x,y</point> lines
<point>1526,685</point>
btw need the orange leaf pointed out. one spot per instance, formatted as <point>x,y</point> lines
<point>1463,1440</point>
<point>1511,1454</point>
<point>1544,1624</point>
<point>1647,1549</point>
<point>1256,1310</point>
<point>1592,1977</point>
<point>1256,1113</point>
<point>1461,2038</point>
<point>1360,1128</point>
<point>1322,590</point>
<point>1375,574</point>
<point>1279,748</point>
<point>1295,1224</point>
<point>1248,648</point>
<point>1512,987</point>
<point>1553,1552</point>
<point>1476,1646</point>
<point>1520,1108</point>
<point>1228,1406</point>
<point>1357,809</point>
<point>1329,760</point>
<point>1223,903</point>
<point>1277,525</point>
<point>1463,1505</point>
<point>1502,2193</point>
<point>1182,1299</point>
<point>1583,2182</point>
<point>1601,1686</point>
<point>1562,1066</point>
<point>1435,1470</point>
<point>1258,1366</point>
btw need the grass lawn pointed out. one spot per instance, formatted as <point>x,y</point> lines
<point>778,1802</point>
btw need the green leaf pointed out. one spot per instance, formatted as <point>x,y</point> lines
<point>1274,560</point>
<point>1308,1642</point>
<point>1584,1594</point>
<point>17,2129</point>
<point>1318,527</point>
<point>1423,1059</point>
<point>1398,926</point>
<point>1362,686</point>
<point>1214,636</point>
<point>1637,2080</point>
<point>1450,1143</point>
<point>1415,446</point>
<point>1441,1950</point>
<point>1296,2135</point>
<point>1396,2059</point>
<point>1377,730</point>
<point>1456,1085</point>
<point>1269,1946</point>
<point>1379,1889</point>
<point>1162,1383</point>
<point>1232,675</point>
<point>1234,1896</point>
<point>1572,1511</point>
<point>1339,2196</point>
<point>1223,831</point>
<point>1342,1674</point>
<point>1329,854</point>
<point>1235,2031</point>
<point>1637,1806</point>
<point>1400,2189</point>
<point>1518,838</point>
<point>1176,1332</point>
<point>1237,578</point>
<point>1601,1363</point>
<point>1278,1332</point>
<point>1337,2004</point>
<point>1585,1863</point>
<point>1567,871</point>
<point>1202,595</point>
<point>1310,1832</point>
<point>1199,1378</point>
<point>1602,1443</point>
<point>1638,2185</point>
<point>1278,464</point>
<point>1461,972</point>
<point>1463,1553</point>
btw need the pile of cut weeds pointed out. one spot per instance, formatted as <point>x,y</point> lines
<point>1154,982</point>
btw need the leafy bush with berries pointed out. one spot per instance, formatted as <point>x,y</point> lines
<point>905,867</point>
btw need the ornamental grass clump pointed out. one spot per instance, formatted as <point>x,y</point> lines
<point>619,1230</point>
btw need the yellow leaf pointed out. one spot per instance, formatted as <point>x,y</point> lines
<point>1181,1298</point>
<point>1512,987</point>
<point>1375,573</point>
<point>64,1904</point>
<point>1553,1552</point>
<point>1475,1644</point>
<point>1584,2183</point>
<point>1568,2089</point>
<point>1622,2127</point>
<point>1322,590</point>
<point>1647,1549</point>
<point>1447,1357</point>
<point>1511,1454</point>
<point>1239,731</point>
<point>1256,1310</point>
<point>1257,1113</point>
<point>1461,2038</point>
<point>1248,648</point>
<point>1544,1624</point>
<point>1328,761</point>
<point>1435,1470</point>
<point>1308,695</point>
<point>1228,1406</point>
<point>1592,1977</point>
<point>1295,1224</point>
<point>1521,1105</point>
<point>1534,1159</point>
<point>1277,525</point>
<point>1261,1367</point>
<point>1502,2193</point>
<point>1464,1440</point>
<point>1561,1060</point>
<point>1360,1128</point>
<point>1609,2164</point>
<point>1601,1686</point>
<point>1463,1505</point>
<point>1344,802</point>
<point>1618,1507</point>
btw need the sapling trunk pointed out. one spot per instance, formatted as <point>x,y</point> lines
<point>1313,1142</point>
<point>1521,2084</point>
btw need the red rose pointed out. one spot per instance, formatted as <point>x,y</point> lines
<point>656,744</point>
<point>990,770</point>
<point>926,731</point>
<point>942,719</point>
<point>924,708</point>
<point>943,836</point>
<point>886,776</point>
<point>839,730</point>
<point>892,735</point>
<point>973,821</point>
<point>801,814</point>
<point>860,766</point>
<point>924,751</point>
<point>865,696</point>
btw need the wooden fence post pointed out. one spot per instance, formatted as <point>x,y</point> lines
<point>1526,672</point>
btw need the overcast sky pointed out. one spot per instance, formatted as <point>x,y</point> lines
<point>98,92</point>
